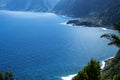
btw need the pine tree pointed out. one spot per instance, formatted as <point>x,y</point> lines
<point>8,76</point>
<point>90,72</point>
<point>1,76</point>
<point>117,77</point>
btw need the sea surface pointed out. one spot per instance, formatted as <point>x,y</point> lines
<point>39,46</point>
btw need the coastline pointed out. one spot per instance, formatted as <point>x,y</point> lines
<point>89,23</point>
<point>105,62</point>
<point>104,65</point>
<point>69,77</point>
<point>103,28</point>
<point>65,23</point>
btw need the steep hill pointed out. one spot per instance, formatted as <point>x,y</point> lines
<point>79,8</point>
<point>112,69</point>
<point>107,17</point>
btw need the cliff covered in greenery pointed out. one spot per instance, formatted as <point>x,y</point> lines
<point>93,72</point>
<point>111,70</point>
<point>108,16</point>
<point>90,72</point>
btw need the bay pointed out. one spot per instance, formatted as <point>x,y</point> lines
<point>38,46</point>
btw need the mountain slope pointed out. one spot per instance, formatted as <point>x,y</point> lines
<point>106,17</point>
<point>28,5</point>
<point>112,69</point>
<point>79,8</point>
<point>111,14</point>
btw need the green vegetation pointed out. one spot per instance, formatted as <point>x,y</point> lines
<point>90,72</point>
<point>8,76</point>
<point>106,16</point>
<point>112,70</point>
<point>114,39</point>
<point>117,77</point>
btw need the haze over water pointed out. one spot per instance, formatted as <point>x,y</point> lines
<point>37,46</point>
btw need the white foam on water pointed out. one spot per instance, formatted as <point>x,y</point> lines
<point>104,29</point>
<point>103,65</point>
<point>69,77</point>
<point>65,23</point>
<point>103,62</point>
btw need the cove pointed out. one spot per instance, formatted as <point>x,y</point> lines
<point>38,46</point>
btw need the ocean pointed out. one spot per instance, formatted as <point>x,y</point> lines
<point>39,46</point>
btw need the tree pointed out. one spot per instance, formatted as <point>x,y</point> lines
<point>1,76</point>
<point>117,77</point>
<point>114,38</point>
<point>8,76</point>
<point>90,72</point>
<point>111,72</point>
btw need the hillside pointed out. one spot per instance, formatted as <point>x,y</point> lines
<point>79,8</point>
<point>108,16</point>
<point>28,5</point>
<point>112,69</point>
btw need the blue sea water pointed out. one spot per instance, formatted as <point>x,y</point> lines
<point>38,46</point>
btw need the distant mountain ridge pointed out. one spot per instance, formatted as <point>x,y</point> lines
<point>108,16</point>
<point>92,12</point>
<point>28,5</point>
<point>79,8</point>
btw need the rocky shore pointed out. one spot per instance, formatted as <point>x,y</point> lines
<point>84,22</point>
<point>106,63</point>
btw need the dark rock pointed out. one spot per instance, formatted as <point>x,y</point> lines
<point>84,22</point>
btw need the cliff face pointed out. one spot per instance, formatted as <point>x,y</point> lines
<point>111,13</point>
<point>112,69</point>
<point>107,17</point>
